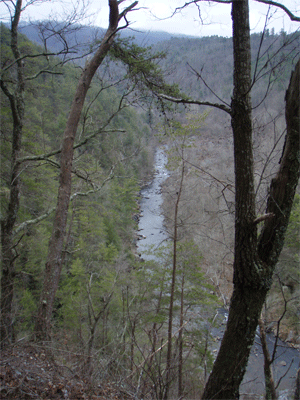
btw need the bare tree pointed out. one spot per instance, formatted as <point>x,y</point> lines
<point>255,256</point>
<point>173,281</point>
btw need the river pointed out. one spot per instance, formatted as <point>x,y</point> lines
<point>152,233</point>
<point>151,223</point>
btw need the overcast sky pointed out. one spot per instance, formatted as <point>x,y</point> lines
<point>215,17</point>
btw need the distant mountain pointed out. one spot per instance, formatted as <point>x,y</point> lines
<point>84,35</point>
<point>202,67</point>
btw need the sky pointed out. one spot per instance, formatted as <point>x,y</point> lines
<point>155,15</point>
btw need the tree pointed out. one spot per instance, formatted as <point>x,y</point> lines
<point>54,257</point>
<point>185,273</point>
<point>255,256</point>
<point>17,73</point>
<point>172,290</point>
<point>16,99</point>
<point>142,71</point>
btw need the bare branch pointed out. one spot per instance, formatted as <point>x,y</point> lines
<point>95,189</point>
<point>263,218</point>
<point>225,185</point>
<point>21,58</point>
<point>155,352</point>
<point>262,175</point>
<point>195,2</point>
<point>34,221</point>
<point>43,71</point>
<point>292,16</point>
<point>285,373</point>
<point>279,5</point>
<point>199,76</point>
<point>57,151</point>
<point>127,9</point>
<point>196,102</point>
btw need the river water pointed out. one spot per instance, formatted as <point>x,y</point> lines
<point>151,223</point>
<point>152,233</point>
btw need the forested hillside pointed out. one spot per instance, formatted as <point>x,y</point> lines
<point>111,316</point>
<point>112,159</point>
<point>200,196</point>
<point>209,180</point>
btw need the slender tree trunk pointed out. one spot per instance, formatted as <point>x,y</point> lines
<point>180,341</point>
<point>172,292</point>
<point>297,389</point>
<point>153,335</point>
<point>9,254</point>
<point>132,342</point>
<point>54,258</point>
<point>269,380</point>
<point>254,259</point>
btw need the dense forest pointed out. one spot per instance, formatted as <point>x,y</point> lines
<point>112,320</point>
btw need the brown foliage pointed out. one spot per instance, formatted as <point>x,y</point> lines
<point>28,371</point>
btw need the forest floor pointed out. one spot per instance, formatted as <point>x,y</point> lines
<point>31,372</point>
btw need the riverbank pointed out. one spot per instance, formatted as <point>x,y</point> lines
<point>152,231</point>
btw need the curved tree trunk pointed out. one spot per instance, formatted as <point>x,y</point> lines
<point>54,263</point>
<point>255,258</point>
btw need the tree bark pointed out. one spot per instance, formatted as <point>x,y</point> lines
<point>16,100</point>
<point>54,263</point>
<point>254,258</point>
<point>283,186</point>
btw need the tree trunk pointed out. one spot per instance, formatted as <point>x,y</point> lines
<point>180,341</point>
<point>254,260</point>
<point>16,100</point>
<point>297,390</point>
<point>269,380</point>
<point>172,292</point>
<point>53,263</point>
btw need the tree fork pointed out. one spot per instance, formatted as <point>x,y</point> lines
<point>255,258</point>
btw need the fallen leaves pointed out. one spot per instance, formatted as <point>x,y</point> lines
<point>27,372</point>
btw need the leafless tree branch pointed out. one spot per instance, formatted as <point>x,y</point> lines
<point>292,16</point>
<point>283,7</point>
<point>199,76</point>
<point>196,102</point>
<point>263,218</point>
